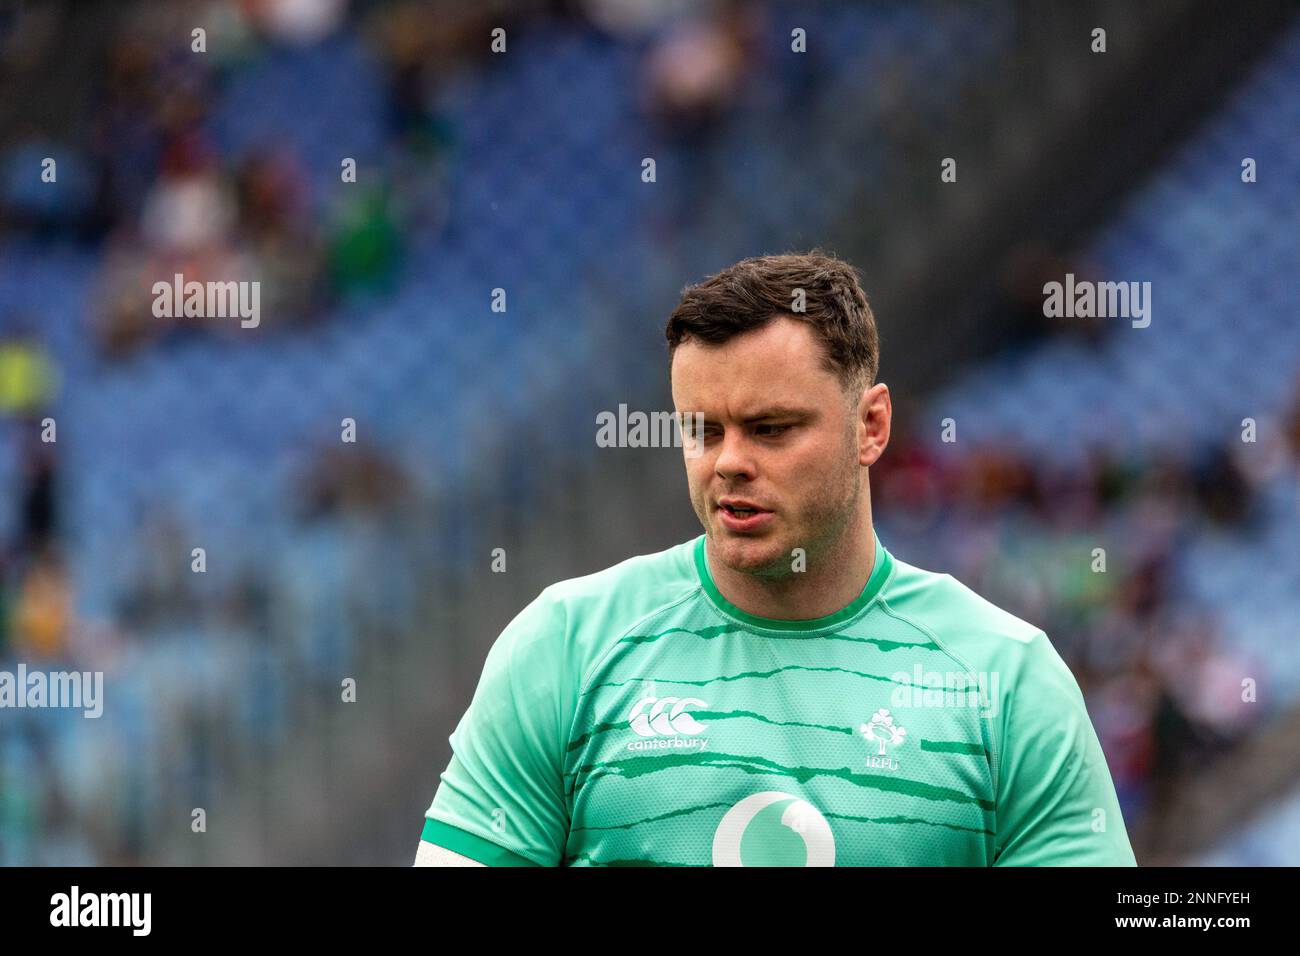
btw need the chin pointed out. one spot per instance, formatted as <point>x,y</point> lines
<point>742,553</point>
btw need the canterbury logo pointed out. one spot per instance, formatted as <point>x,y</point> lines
<point>661,722</point>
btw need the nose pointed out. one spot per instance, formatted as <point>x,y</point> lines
<point>734,457</point>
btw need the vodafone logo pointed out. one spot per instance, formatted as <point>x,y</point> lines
<point>660,721</point>
<point>773,829</point>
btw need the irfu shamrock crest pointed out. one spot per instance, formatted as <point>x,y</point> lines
<point>882,728</point>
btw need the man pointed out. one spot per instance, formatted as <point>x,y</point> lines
<point>780,690</point>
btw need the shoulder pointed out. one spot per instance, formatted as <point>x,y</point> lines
<point>640,580</point>
<point>631,589</point>
<point>578,618</point>
<point>1027,683</point>
<point>964,623</point>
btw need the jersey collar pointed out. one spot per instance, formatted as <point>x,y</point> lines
<point>880,571</point>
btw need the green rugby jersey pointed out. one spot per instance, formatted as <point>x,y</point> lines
<point>635,717</point>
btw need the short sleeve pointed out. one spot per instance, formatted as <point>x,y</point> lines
<point>501,800</point>
<point>1056,802</point>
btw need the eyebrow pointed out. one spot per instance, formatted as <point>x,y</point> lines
<point>776,411</point>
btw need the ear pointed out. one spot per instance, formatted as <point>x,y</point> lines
<point>875,411</point>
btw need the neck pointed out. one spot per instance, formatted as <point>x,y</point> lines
<point>832,580</point>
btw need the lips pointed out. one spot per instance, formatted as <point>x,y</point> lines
<point>741,515</point>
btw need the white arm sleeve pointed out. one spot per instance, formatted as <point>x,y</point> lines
<point>430,855</point>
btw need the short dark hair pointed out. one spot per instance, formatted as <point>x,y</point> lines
<point>754,291</point>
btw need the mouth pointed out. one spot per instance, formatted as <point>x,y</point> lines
<point>740,515</point>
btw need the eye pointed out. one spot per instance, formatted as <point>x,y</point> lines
<point>771,431</point>
<point>708,431</point>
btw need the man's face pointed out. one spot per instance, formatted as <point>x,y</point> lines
<point>780,435</point>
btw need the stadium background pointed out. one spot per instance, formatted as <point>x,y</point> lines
<point>476,429</point>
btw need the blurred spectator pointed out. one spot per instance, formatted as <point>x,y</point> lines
<point>424,45</point>
<point>161,593</point>
<point>1293,425</point>
<point>128,134</point>
<point>297,21</point>
<point>43,614</point>
<point>1122,709</point>
<point>628,19</point>
<point>40,501</point>
<point>695,72</point>
<point>276,228</point>
<point>190,209</point>
<point>365,246</point>
<point>29,376</point>
<point>1221,487</point>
